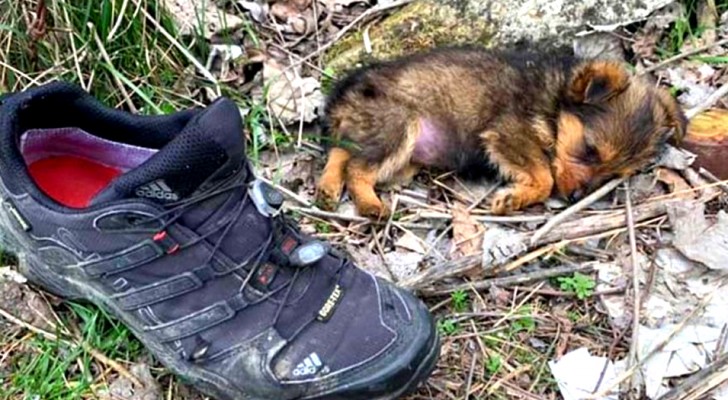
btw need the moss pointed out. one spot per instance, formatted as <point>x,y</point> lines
<point>421,25</point>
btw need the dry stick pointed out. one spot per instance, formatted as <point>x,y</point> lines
<point>677,329</point>
<point>683,55</point>
<point>489,218</point>
<point>635,280</point>
<point>521,279</point>
<point>286,192</point>
<point>580,205</point>
<point>326,214</point>
<point>93,352</point>
<point>709,102</point>
<point>472,368</point>
<point>713,179</point>
<point>566,233</point>
<point>701,382</point>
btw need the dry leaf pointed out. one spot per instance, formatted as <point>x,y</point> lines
<point>122,388</point>
<point>696,238</point>
<point>258,11</point>
<point>369,261</point>
<point>675,183</point>
<point>467,232</point>
<point>501,245</point>
<point>409,241</point>
<point>294,170</point>
<point>291,97</point>
<point>189,13</point>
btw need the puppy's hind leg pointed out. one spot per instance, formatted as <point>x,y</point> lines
<point>331,183</point>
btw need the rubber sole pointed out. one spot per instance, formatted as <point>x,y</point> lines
<point>67,288</point>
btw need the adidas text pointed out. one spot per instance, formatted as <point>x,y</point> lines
<point>157,190</point>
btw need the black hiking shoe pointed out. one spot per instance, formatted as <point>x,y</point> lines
<point>161,221</point>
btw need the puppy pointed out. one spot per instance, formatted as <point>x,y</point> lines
<point>545,123</point>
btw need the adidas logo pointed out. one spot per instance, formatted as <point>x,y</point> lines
<point>157,190</point>
<point>309,366</point>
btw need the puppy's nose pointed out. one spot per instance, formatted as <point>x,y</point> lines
<point>576,195</point>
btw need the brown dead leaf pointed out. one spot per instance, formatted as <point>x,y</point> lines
<point>467,232</point>
<point>24,303</point>
<point>645,44</point>
<point>697,237</point>
<point>291,97</point>
<point>675,183</point>
<point>286,9</point>
<point>121,388</point>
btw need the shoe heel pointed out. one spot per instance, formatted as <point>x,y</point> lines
<point>44,278</point>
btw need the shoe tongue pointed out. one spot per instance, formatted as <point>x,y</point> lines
<point>209,148</point>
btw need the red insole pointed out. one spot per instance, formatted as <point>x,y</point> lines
<point>71,181</point>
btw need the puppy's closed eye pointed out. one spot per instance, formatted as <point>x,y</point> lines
<point>590,154</point>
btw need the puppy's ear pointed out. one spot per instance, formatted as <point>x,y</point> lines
<point>675,115</point>
<point>597,81</point>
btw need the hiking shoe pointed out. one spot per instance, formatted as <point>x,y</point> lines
<point>161,221</point>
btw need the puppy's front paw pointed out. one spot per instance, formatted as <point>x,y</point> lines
<point>327,196</point>
<point>506,201</point>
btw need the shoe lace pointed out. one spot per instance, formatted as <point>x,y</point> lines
<point>281,225</point>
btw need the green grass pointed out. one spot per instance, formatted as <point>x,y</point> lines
<point>112,49</point>
<point>141,61</point>
<point>459,300</point>
<point>58,370</point>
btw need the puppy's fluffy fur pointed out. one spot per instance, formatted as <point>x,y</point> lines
<point>545,123</point>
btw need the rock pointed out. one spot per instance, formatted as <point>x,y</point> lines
<point>707,137</point>
<point>428,23</point>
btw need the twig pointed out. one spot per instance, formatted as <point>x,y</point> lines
<point>714,179</point>
<point>489,218</point>
<point>74,341</point>
<point>683,55</point>
<point>701,382</point>
<point>481,198</point>
<point>326,214</point>
<point>287,192</point>
<point>580,205</point>
<point>520,279</point>
<point>635,282</point>
<point>661,345</point>
<point>472,368</point>
<point>707,103</point>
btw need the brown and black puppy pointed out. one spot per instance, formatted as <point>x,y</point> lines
<point>544,123</point>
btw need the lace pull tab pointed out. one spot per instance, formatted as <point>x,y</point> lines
<point>267,199</point>
<point>308,253</point>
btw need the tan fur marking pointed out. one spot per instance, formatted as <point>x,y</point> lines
<point>394,164</point>
<point>543,132</point>
<point>360,180</point>
<point>332,180</point>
